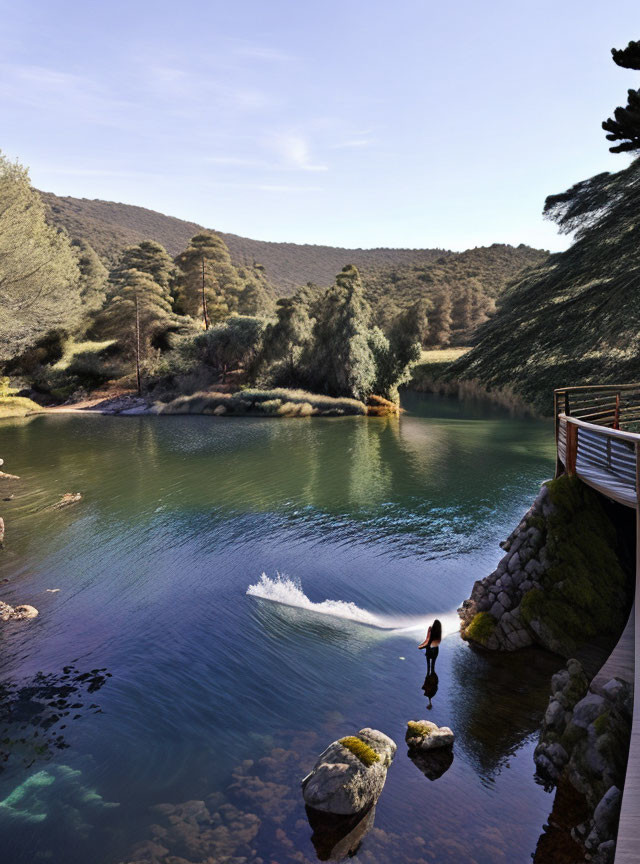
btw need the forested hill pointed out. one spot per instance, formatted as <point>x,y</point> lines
<point>575,319</point>
<point>109,227</point>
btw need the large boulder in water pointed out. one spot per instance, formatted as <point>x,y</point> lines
<point>349,776</point>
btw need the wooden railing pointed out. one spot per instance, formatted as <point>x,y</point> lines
<point>613,405</point>
<point>595,440</point>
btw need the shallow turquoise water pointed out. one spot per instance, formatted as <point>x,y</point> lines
<point>207,694</point>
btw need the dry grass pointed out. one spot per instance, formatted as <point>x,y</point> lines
<point>17,406</point>
<point>441,355</point>
<point>264,403</point>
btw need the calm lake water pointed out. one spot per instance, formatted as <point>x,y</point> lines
<point>164,683</point>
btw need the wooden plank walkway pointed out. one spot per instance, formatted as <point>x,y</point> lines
<point>628,843</point>
<point>621,662</point>
<point>607,484</point>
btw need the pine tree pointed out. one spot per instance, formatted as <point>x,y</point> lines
<point>624,126</point>
<point>339,360</point>
<point>147,257</point>
<point>440,320</point>
<point>93,276</point>
<point>138,311</point>
<point>287,337</point>
<point>256,295</point>
<point>39,275</point>
<point>208,286</point>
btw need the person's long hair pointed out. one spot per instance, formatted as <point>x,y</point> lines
<point>436,632</point>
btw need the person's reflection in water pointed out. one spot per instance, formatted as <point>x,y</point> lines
<point>430,688</point>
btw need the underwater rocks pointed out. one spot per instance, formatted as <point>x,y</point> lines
<point>16,613</point>
<point>67,499</point>
<point>559,580</point>
<point>424,735</point>
<point>350,775</point>
<point>585,741</point>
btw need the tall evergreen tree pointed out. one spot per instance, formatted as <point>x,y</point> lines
<point>440,319</point>
<point>93,276</point>
<point>256,295</point>
<point>339,360</point>
<point>39,275</point>
<point>624,126</point>
<point>136,314</point>
<point>208,286</point>
<point>147,257</point>
<point>287,337</point>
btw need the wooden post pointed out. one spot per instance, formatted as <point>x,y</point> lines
<point>556,417</point>
<point>572,448</point>
<point>138,348</point>
<point>205,313</point>
<point>616,416</point>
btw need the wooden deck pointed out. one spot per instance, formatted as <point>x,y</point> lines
<point>597,440</point>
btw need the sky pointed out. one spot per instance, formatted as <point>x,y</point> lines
<point>356,123</point>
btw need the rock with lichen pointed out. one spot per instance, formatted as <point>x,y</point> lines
<point>350,775</point>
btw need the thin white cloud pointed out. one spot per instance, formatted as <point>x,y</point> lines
<point>294,152</point>
<point>45,89</point>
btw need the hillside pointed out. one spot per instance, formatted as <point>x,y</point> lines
<point>109,227</point>
<point>576,318</point>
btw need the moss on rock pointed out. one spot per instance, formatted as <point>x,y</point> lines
<point>481,628</point>
<point>584,586</point>
<point>366,754</point>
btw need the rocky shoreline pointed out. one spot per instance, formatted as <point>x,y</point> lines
<point>562,578</point>
<point>563,581</point>
<point>584,742</point>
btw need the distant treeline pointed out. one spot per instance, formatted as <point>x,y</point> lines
<point>461,287</point>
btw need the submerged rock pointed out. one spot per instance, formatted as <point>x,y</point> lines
<point>17,613</point>
<point>350,775</point>
<point>425,735</point>
<point>67,499</point>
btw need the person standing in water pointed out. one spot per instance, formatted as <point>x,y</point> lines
<point>431,643</point>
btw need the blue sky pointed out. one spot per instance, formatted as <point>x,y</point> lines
<point>352,123</point>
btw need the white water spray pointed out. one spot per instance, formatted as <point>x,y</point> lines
<point>288,592</point>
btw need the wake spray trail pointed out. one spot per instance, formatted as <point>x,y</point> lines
<point>288,592</point>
